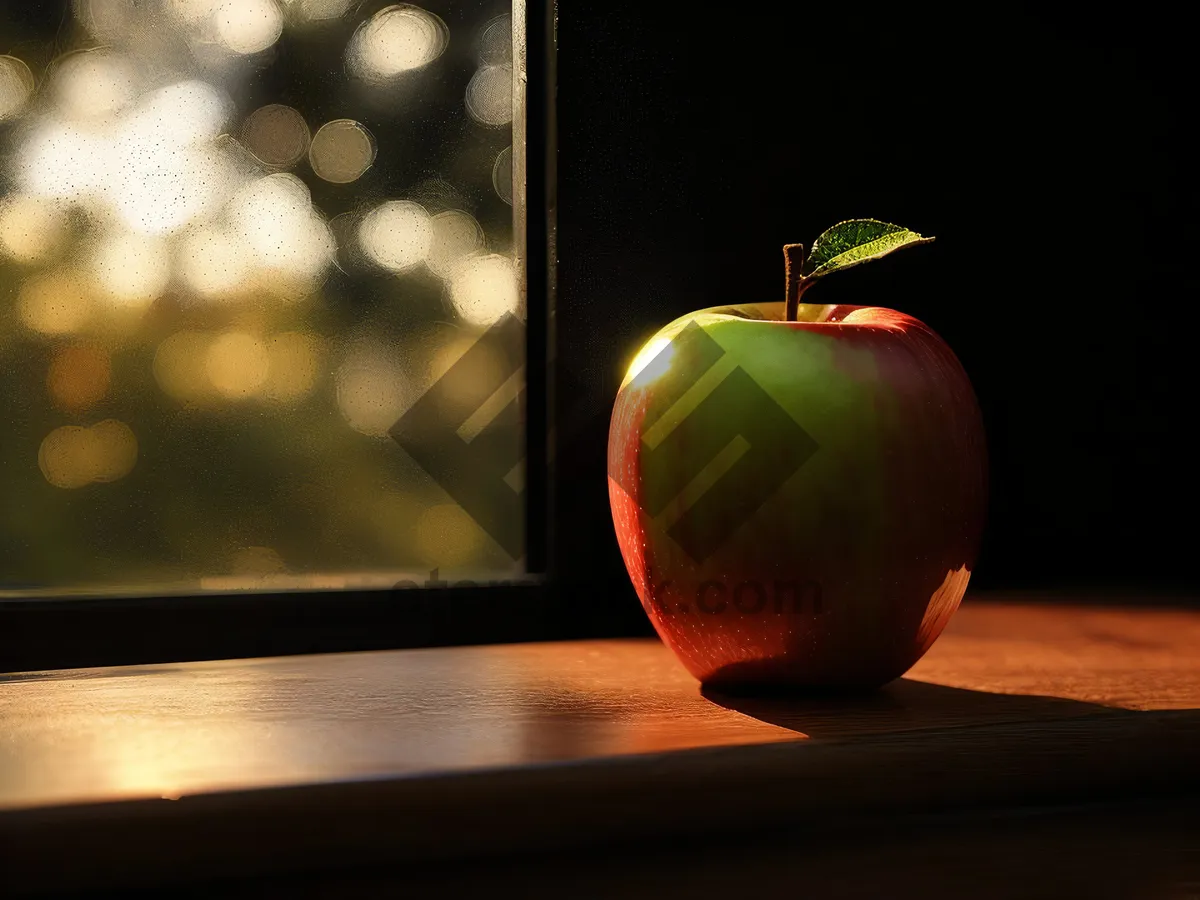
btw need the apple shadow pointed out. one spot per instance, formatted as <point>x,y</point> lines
<point>901,705</point>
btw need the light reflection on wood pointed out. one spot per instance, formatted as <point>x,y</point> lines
<point>179,730</point>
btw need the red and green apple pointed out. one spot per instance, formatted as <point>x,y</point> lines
<point>798,489</point>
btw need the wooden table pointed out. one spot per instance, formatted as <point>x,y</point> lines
<point>370,769</point>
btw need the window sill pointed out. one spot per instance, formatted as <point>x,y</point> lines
<point>155,774</point>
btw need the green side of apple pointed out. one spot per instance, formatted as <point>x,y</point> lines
<point>830,385</point>
<point>833,391</point>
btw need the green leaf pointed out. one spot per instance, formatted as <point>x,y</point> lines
<point>856,241</point>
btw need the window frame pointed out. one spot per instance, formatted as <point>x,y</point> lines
<point>73,632</point>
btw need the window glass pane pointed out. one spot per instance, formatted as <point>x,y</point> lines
<point>261,294</point>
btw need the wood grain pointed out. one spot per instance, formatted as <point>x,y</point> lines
<point>286,764</point>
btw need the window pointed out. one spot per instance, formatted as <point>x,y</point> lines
<point>275,286</point>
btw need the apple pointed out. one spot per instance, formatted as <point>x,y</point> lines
<point>798,490</point>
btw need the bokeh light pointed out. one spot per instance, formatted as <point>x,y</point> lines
<point>62,161</point>
<point>62,457</point>
<point>74,456</point>
<point>193,13</point>
<point>249,26</point>
<point>213,264</point>
<point>31,229</point>
<point>108,20</point>
<point>494,47</point>
<point>16,86</point>
<point>484,288</point>
<point>276,134</point>
<point>79,377</point>
<point>489,95</point>
<point>94,84</point>
<point>132,269</point>
<point>180,366</point>
<point>156,169</point>
<point>341,151</point>
<point>274,218</point>
<point>372,391</point>
<point>316,10</point>
<point>198,366</point>
<point>114,450</point>
<point>61,301</point>
<point>502,175</point>
<point>396,235</point>
<point>294,361</point>
<point>186,112</point>
<point>395,40</point>
<point>163,170</point>
<point>456,235</point>
<point>236,364</point>
<point>164,233</point>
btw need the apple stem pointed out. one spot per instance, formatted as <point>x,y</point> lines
<point>793,261</point>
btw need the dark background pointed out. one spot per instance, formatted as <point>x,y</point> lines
<point>1042,145</point>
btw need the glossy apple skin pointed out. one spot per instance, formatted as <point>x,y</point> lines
<point>879,528</point>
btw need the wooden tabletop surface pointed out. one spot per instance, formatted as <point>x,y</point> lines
<point>446,750</point>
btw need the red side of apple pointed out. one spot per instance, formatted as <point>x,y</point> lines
<point>848,572</point>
